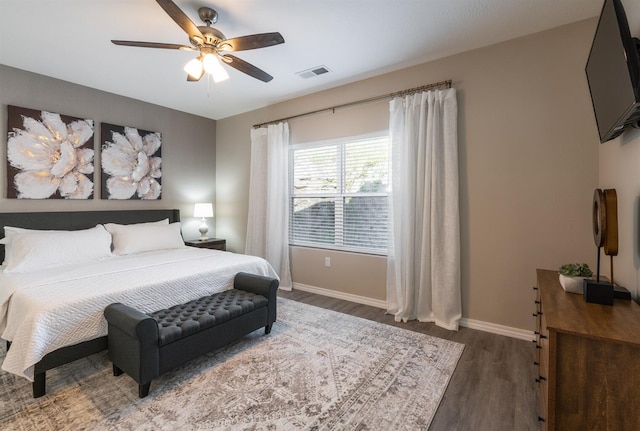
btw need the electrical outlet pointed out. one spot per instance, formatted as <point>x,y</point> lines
<point>327,262</point>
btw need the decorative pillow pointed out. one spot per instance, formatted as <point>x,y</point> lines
<point>32,251</point>
<point>129,239</point>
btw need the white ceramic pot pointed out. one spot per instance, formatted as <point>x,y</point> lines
<point>572,284</point>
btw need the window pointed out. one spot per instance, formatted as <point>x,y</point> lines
<point>338,196</point>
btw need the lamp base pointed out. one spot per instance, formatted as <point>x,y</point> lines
<point>203,229</point>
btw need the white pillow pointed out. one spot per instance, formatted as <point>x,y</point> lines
<point>112,226</point>
<point>129,239</point>
<point>34,251</point>
<point>9,231</point>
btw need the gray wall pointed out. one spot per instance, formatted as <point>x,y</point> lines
<point>528,167</point>
<point>188,144</point>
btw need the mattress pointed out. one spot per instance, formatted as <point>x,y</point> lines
<point>45,310</point>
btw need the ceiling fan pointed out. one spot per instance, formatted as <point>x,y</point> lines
<point>212,45</point>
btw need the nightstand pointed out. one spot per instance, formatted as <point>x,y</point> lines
<point>212,243</point>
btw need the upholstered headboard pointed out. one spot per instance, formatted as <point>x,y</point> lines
<point>75,220</point>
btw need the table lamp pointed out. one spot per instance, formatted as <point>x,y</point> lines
<point>203,210</point>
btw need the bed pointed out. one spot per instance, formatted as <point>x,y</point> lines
<point>53,315</point>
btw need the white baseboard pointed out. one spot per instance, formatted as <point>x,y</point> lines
<point>494,328</point>
<point>521,334</point>
<point>378,303</point>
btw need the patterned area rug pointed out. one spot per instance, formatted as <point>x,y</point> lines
<point>317,370</point>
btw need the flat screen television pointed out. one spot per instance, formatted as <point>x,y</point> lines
<point>613,72</point>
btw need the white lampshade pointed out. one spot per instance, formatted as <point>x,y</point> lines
<point>194,68</point>
<point>203,210</point>
<point>212,66</point>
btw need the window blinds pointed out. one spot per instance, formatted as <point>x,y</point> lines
<point>338,196</point>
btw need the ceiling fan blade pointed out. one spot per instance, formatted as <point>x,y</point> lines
<point>180,18</point>
<point>252,41</point>
<point>192,79</point>
<point>245,67</point>
<point>152,45</point>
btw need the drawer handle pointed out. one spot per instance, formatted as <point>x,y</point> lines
<point>537,313</point>
<point>540,379</point>
<point>543,337</point>
<point>536,363</point>
<point>538,346</point>
<point>540,419</point>
<point>535,288</point>
<point>536,302</point>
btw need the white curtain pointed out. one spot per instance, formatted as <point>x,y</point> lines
<point>423,266</point>
<point>268,219</point>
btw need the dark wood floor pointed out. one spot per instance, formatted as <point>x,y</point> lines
<point>493,387</point>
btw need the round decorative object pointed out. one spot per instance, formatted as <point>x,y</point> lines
<point>605,225</point>
<point>611,230</point>
<point>605,220</point>
<point>599,217</point>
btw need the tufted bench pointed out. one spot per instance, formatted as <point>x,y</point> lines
<point>146,345</point>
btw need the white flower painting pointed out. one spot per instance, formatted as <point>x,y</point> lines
<point>48,155</point>
<point>131,163</point>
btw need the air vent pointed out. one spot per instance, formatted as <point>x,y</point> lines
<point>314,71</point>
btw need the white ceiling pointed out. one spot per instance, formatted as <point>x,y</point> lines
<point>355,39</point>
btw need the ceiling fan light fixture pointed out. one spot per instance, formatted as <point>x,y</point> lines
<point>194,68</point>
<point>224,46</point>
<point>213,67</point>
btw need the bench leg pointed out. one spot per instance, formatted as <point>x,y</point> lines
<point>38,384</point>
<point>267,329</point>
<point>116,371</point>
<point>143,390</point>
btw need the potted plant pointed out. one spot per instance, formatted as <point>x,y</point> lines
<point>572,276</point>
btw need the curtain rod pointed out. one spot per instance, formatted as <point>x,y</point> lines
<point>446,84</point>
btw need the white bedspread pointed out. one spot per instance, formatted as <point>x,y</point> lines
<point>45,310</point>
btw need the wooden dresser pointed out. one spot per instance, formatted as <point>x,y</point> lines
<point>588,357</point>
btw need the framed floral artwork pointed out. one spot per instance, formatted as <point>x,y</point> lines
<point>49,155</point>
<point>131,163</point>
